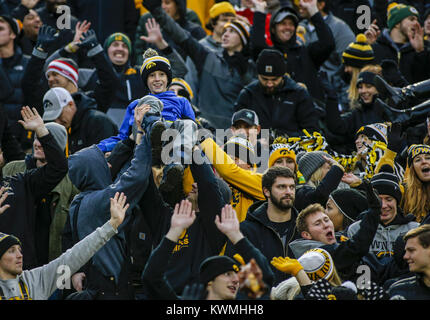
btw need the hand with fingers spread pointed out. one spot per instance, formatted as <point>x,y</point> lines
<point>3,196</point>
<point>154,34</point>
<point>80,29</point>
<point>372,33</point>
<point>310,6</point>
<point>395,137</point>
<point>287,265</point>
<point>32,121</point>
<point>229,224</point>
<point>182,218</point>
<point>118,207</point>
<point>332,162</point>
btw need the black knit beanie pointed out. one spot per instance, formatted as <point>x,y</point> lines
<point>271,63</point>
<point>212,267</point>
<point>387,184</point>
<point>7,241</point>
<point>350,202</point>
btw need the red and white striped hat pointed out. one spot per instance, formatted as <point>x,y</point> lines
<point>65,69</point>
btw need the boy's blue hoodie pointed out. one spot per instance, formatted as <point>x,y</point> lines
<point>174,108</point>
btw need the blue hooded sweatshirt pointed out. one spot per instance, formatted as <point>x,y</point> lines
<point>174,108</point>
<point>89,172</point>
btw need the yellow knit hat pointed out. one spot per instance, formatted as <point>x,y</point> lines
<point>220,8</point>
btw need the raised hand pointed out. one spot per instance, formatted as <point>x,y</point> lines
<point>154,34</point>
<point>118,207</point>
<point>395,137</point>
<point>183,216</point>
<point>229,224</point>
<point>310,6</point>
<point>80,29</point>
<point>259,5</point>
<point>33,121</point>
<point>372,33</point>
<point>287,265</point>
<point>372,198</point>
<point>88,40</point>
<point>350,178</point>
<point>45,38</point>
<point>29,4</point>
<point>3,196</point>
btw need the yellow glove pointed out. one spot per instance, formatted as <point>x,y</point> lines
<point>287,265</point>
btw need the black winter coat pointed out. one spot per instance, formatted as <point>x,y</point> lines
<point>256,228</point>
<point>303,61</point>
<point>89,125</point>
<point>289,110</point>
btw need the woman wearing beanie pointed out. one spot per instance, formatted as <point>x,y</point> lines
<point>416,198</point>
<point>366,109</point>
<point>323,175</point>
<point>343,207</point>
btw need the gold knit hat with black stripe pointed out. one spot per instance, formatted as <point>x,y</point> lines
<point>280,149</point>
<point>182,83</point>
<point>358,53</point>
<point>153,62</point>
<point>242,28</point>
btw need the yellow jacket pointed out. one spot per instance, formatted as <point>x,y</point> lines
<point>245,185</point>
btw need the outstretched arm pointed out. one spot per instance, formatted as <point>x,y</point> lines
<point>154,274</point>
<point>45,178</point>
<point>229,224</point>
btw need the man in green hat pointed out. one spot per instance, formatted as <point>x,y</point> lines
<point>402,42</point>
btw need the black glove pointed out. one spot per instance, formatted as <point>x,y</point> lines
<point>88,40</point>
<point>328,88</point>
<point>193,292</point>
<point>151,4</point>
<point>392,74</point>
<point>395,137</point>
<point>46,38</point>
<point>372,196</point>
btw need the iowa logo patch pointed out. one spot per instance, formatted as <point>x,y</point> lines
<point>150,65</point>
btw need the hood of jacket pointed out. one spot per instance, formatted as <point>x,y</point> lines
<point>300,246</point>
<point>84,103</point>
<point>88,169</point>
<point>278,44</point>
<point>182,9</point>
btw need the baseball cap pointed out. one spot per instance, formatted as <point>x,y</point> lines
<point>286,12</point>
<point>247,115</point>
<point>54,101</point>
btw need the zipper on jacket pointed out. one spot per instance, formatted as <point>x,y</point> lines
<point>128,90</point>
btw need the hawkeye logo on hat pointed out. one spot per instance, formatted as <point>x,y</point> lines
<point>150,65</point>
<point>269,69</point>
<point>118,37</point>
<point>249,115</point>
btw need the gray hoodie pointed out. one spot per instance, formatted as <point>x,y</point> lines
<point>42,281</point>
